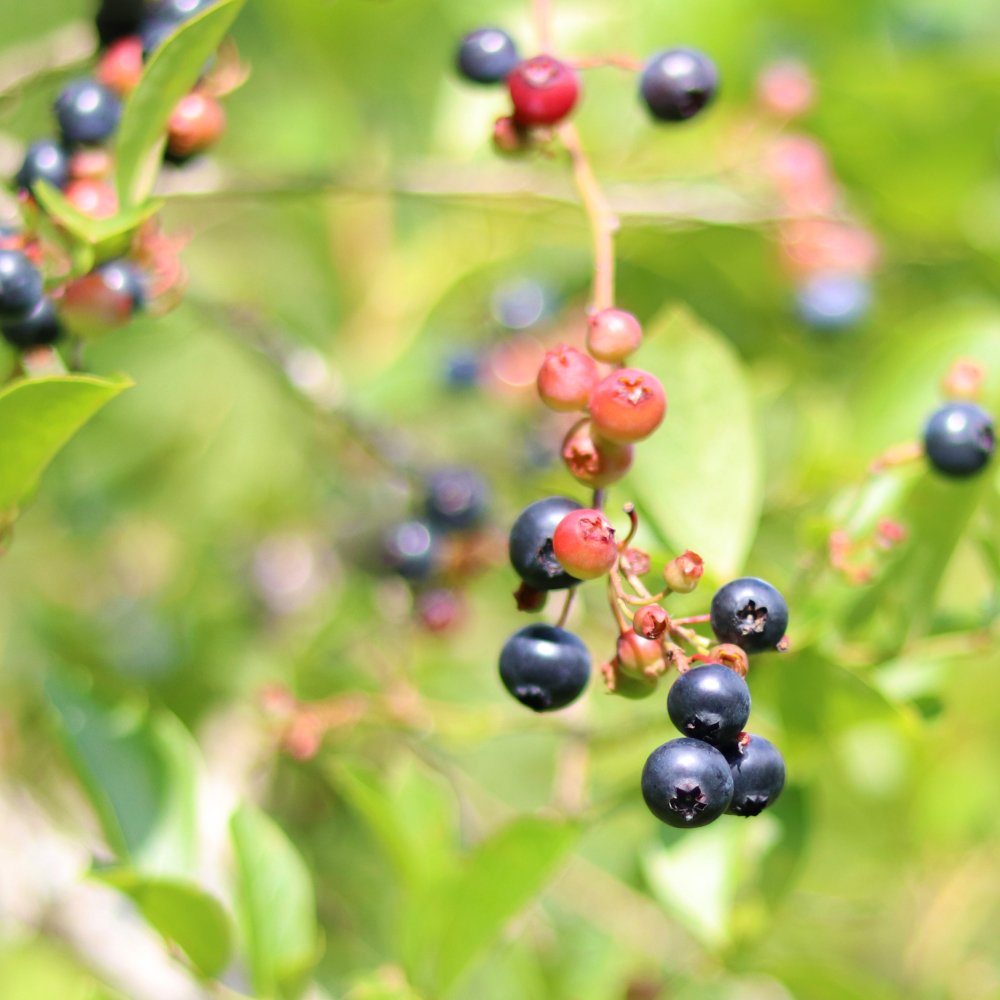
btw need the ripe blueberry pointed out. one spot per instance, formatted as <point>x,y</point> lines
<point>457,499</point>
<point>758,775</point>
<point>687,783</point>
<point>543,90</point>
<point>959,439</point>
<point>20,285</point>
<point>593,461</point>
<point>677,83</point>
<point>710,703</point>
<point>44,160</point>
<point>92,197</point>
<point>628,405</point>
<point>410,550</point>
<point>832,301</point>
<point>486,55</point>
<point>544,667</point>
<point>749,613</point>
<point>40,326</point>
<point>87,111</point>
<point>584,544</point>
<point>566,378</point>
<point>126,278</point>
<point>154,32</point>
<point>612,335</point>
<point>531,544</point>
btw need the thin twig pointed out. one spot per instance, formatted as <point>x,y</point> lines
<point>542,11</point>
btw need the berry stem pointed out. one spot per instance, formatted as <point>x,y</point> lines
<point>542,12</point>
<point>567,607</point>
<point>692,620</point>
<point>625,62</point>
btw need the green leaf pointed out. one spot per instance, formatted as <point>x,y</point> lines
<point>38,417</point>
<point>277,905</point>
<point>140,772</point>
<point>173,70</point>
<point>182,912</point>
<point>699,486</point>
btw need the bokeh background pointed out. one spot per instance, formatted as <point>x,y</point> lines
<point>192,615</point>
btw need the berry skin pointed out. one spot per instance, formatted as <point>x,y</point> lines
<point>832,301</point>
<point>959,439</point>
<point>530,547</point>
<point>628,405</point>
<point>92,197</point>
<point>687,783</point>
<point>20,285</point>
<point>457,499</point>
<point>612,335</point>
<point>121,65</point>
<point>758,771</point>
<point>683,572</point>
<point>154,32</point>
<point>543,90</point>
<point>593,461</point>
<point>45,160</point>
<point>105,298</point>
<point>179,10</point>
<point>749,613</point>
<point>410,550</point>
<point>566,379</point>
<point>544,667</point>
<point>677,83</point>
<point>118,19</point>
<point>41,326</point>
<point>710,703</point>
<point>650,621</point>
<point>634,654</point>
<point>487,55</point>
<point>196,123</point>
<point>584,543</point>
<point>87,111</point>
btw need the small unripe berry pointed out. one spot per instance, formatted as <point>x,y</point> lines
<point>543,90</point>
<point>121,65</point>
<point>612,335</point>
<point>438,610</point>
<point>683,573</point>
<point>92,197</point>
<point>567,378</point>
<point>593,461</point>
<point>510,138</point>
<point>650,621</point>
<point>628,405</point>
<point>584,544</point>
<point>635,655</point>
<point>195,124</point>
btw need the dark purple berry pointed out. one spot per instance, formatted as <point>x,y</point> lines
<point>531,544</point>
<point>544,667</point>
<point>487,55</point>
<point>710,703</point>
<point>410,550</point>
<point>87,111</point>
<point>462,369</point>
<point>457,499</point>
<point>40,326</point>
<point>687,783</point>
<point>118,19</point>
<point>45,160</point>
<point>758,775</point>
<point>831,301</point>
<point>749,613</point>
<point>20,285</point>
<point>179,10</point>
<point>126,278</point>
<point>154,32</point>
<point>959,439</point>
<point>677,83</point>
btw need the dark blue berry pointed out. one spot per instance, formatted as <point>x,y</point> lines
<point>832,301</point>
<point>40,326</point>
<point>179,10</point>
<point>87,111</point>
<point>677,83</point>
<point>45,160</point>
<point>530,546</point>
<point>462,370</point>
<point>118,19</point>
<point>520,303</point>
<point>750,613</point>
<point>959,439</point>
<point>758,775</point>
<point>410,550</point>
<point>487,55</point>
<point>20,285</point>
<point>687,783</point>
<point>457,499</point>
<point>544,667</point>
<point>126,278</point>
<point>710,703</point>
<point>154,32</point>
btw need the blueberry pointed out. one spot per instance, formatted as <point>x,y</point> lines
<point>179,10</point>
<point>45,160</point>
<point>687,783</point>
<point>677,83</point>
<point>710,703</point>
<point>831,301</point>
<point>40,326</point>
<point>758,775</point>
<point>750,613</point>
<point>487,55</point>
<point>462,369</point>
<point>531,544</point>
<point>154,32</point>
<point>20,285</point>
<point>125,278</point>
<point>959,439</point>
<point>410,549</point>
<point>457,499</point>
<point>544,667</point>
<point>87,111</point>
<point>520,303</point>
<point>118,19</point>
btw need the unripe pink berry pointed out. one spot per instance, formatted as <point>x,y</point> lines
<point>650,621</point>
<point>628,405</point>
<point>120,67</point>
<point>636,655</point>
<point>683,573</point>
<point>566,378</point>
<point>584,544</point>
<point>543,90</point>
<point>612,335</point>
<point>510,138</point>
<point>92,197</point>
<point>196,123</point>
<point>592,461</point>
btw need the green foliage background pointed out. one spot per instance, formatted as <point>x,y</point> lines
<point>445,844</point>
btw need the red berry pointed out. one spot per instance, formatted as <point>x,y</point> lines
<point>544,90</point>
<point>683,573</point>
<point>195,124</point>
<point>650,621</point>
<point>566,378</point>
<point>92,197</point>
<point>612,335</point>
<point>636,655</point>
<point>592,461</point>
<point>438,610</point>
<point>121,65</point>
<point>628,405</point>
<point>510,138</point>
<point>584,544</point>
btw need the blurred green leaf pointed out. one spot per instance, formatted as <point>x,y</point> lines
<point>277,905</point>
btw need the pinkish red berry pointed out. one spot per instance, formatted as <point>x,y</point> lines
<point>510,138</point>
<point>566,378</point>
<point>592,461</point>
<point>543,90</point>
<point>121,65</point>
<point>438,610</point>
<point>650,621</point>
<point>635,655</point>
<point>612,335</point>
<point>195,124</point>
<point>584,544</point>
<point>92,197</point>
<point>683,573</point>
<point>628,405</point>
